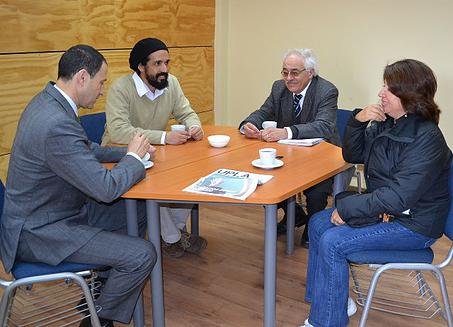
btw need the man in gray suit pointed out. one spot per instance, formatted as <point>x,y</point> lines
<point>304,106</point>
<point>61,204</point>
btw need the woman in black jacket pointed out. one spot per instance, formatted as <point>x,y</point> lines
<point>407,163</point>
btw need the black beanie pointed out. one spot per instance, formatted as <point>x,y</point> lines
<point>143,49</point>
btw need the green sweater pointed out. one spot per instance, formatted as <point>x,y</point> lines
<point>127,113</point>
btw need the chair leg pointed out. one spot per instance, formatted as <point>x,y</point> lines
<point>194,220</point>
<point>6,304</point>
<point>443,289</point>
<point>358,175</point>
<point>371,290</point>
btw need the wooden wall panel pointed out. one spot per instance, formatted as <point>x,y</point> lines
<point>36,32</point>
<point>206,118</point>
<point>24,75</point>
<point>37,25</point>
<point>194,68</point>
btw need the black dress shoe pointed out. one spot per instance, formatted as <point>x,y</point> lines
<point>301,219</point>
<point>86,322</point>
<point>99,284</point>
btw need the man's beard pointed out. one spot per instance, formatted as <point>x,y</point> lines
<point>154,80</point>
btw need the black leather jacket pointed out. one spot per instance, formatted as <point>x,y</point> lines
<point>407,164</point>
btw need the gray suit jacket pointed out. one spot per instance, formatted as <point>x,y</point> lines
<point>319,111</point>
<point>54,169</point>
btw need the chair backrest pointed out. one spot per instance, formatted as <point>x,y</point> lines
<point>342,120</point>
<point>448,230</point>
<point>94,126</point>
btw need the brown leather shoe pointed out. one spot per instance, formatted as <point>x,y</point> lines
<point>172,250</point>
<point>193,244</point>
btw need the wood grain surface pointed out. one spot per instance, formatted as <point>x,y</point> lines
<point>40,26</point>
<point>36,33</point>
<point>24,75</point>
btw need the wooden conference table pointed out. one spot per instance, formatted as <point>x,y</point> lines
<point>176,167</point>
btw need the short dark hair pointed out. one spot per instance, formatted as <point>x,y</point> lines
<point>415,84</point>
<point>79,57</point>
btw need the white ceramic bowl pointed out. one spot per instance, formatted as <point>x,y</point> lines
<point>218,141</point>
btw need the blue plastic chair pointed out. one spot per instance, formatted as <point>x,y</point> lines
<point>94,126</point>
<point>405,269</point>
<point>343,179</point>
<point>50,303</point>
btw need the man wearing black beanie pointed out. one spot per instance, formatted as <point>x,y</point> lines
<point>143,102</point>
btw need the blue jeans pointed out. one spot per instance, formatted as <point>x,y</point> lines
<point>328,271</point>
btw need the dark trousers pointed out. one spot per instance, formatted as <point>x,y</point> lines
<point>316,200</point>
<point>131,258</point>
<point>316,196</point>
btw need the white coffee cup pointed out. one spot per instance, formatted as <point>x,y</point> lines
<point>178,128</point>
<point>269,124</point>
<point>267,156</point>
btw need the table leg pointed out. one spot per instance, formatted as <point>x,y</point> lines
<point>132,229</point>
<point>290,224</point>
<point>157,289</point>
<point>270,265</point>
<point>194,219</point>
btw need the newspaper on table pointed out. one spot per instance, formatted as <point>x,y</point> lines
<point>228,183</point>
<point>302,142</point>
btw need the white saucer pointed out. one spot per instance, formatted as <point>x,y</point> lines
<point>148,164</point>
<point>257,163</point>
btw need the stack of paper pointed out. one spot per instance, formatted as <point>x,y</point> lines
<point>302,142</point>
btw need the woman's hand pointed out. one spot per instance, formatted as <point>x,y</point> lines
<point>371,112</point>
<point>336,219</point>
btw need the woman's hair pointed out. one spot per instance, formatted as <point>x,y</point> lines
<point>415,84</point>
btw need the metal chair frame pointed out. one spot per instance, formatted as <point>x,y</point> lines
<point>26,301</point>
<point>410,277</point>
<point>343,179</point>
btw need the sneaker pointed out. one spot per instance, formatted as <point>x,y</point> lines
<point>172,250</point>
<point>192,244</point>
<point>352,307</point>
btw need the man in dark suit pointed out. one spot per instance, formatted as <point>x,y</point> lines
<point>61,204</point>
<point>304,106</point>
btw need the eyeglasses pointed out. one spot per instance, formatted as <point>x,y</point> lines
<point>294,73</point>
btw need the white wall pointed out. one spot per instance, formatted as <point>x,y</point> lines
<point>353,39</point>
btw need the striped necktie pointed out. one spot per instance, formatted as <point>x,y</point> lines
<point>296,104</point>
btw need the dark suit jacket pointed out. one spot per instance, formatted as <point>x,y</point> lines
<point>317,119</point>
<point>54,169</point>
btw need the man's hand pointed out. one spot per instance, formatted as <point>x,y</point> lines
<point>371,112</point>
<point>336,219</point>
<point>196,132</point>
<point>251,131</point>
<point>140,146</point>
<point>274,134</point>
<point>177,137</point>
